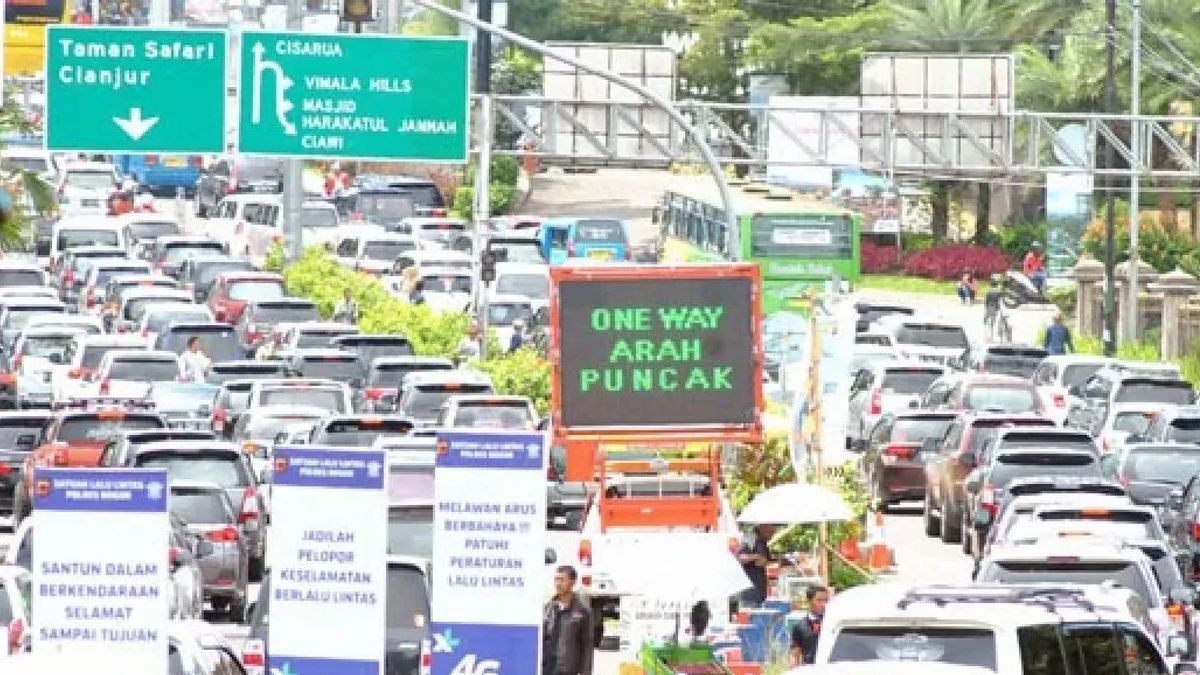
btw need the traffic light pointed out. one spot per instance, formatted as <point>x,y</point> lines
<point>357,11</point>
<point>487,272</point>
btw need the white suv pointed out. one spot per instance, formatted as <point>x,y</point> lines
<point>1008,629</point>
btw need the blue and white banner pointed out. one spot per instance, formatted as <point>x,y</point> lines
<point>101,581</point>
<point>489,553</point>
<point>328,547</point>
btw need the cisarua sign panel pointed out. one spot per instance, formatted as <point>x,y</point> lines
<point>663,347</point>
<point>354,96</point>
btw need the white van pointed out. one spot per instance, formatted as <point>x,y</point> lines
<point>77,231</point>
<point>251,223</point>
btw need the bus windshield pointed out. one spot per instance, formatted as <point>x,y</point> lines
<point>801,236</point>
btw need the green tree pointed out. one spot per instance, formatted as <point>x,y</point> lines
<point>628,21</point>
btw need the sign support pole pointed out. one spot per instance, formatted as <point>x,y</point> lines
<point>293,173</point>
<point>483,178</point>
<point>706,153</point>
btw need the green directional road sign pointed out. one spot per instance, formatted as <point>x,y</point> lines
<point>135,90</point>
<point>354,97</point>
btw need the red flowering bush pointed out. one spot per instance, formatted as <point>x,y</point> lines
<point>878,259</point>
<point>952,260</point>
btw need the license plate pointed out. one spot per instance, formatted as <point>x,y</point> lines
<point>264,188</point>
<point>600,254</point>
<point>91,202</point>
<point>175,162</point>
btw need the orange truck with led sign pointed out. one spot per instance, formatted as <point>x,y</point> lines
<point>645,502</point>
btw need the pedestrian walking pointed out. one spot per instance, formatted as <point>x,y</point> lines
<point>471,345</point>
<point>755,555</point>
<point>568,640</point>
<point>195,362</point>
<point>346,310</point>
<point>1058,337</point>
<point>991,304</point>
<point>807,630</point>
<point>517,340</point>
<point>1034,267</point>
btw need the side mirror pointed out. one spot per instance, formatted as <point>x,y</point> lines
<point>551,556</point>
<point>1174,501</point>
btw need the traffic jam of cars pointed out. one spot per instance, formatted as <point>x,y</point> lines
<point>1071,481</point>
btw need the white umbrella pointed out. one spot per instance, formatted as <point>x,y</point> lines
<point>795,504</point>
<point>680,568</point>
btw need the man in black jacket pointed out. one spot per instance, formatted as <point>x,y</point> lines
<point>567,640</point>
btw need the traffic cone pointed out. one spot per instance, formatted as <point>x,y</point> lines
<point>880,556</point>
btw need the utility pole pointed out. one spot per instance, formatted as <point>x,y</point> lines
<point>1135,147</point>
<point>1110,223</point>
<point>293,177</point>
<point>483,172</point>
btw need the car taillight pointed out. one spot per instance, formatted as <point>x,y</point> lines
<point>375,394</point>
<point>249,506</point>
<point>987,499</point>
<point>900,451</point>
<point>585,553</point>
<point>173,556</point>
<point>16,363</point>
<point>69,277</point>
<point>227,535</point>
<point>5,470</point>
<point>91,297</point>
<point>876,402</point>
<point>105,385</point>
<point>16,633</point>
<point>426,657</point>
<point>60,457</point>
<point>219,417</point>
<point>1196,530</point>
<point>1060,401</point>
<point>551,472</point>
<point>254,657</point>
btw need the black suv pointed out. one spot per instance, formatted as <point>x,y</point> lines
<point>231,175</point>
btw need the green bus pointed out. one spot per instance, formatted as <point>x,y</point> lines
<point>798,242</point>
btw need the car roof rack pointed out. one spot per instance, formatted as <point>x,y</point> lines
<point>1048,597</point>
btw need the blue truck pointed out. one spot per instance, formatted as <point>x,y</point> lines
<point>162,174</point>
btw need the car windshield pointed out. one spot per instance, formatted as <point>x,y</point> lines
<point>505,313</point>
<point>481,415</point>
<point>134,306</point>
<point>219,468</point>
<point>255,290</point>
<point>386,250</point>
<point>1070,571</point>
<point>1077,374</point>
<point>318,338</point>
<point>426,401</point>
<point>1156,392</point>
<point>20,434</point>
<point>15,277</point>
<point>91,180</point>
<point>46,346</point>
<point>518,252</point>
<point>407,599</point>
<point>267,428</point>
<point>318,218</point>
<point>74,238</point>
<point>917,429</point>
<point>932,336</point>
<point>533,286</point>
<point>385,207</point>
<point>273,314</point>
<point>30,164</point>
<point>94,428</point>
<point>192,250</point>
<point>361,433</point>
<point>153,230</point>
<point>199,507</point>
<point>1009,467</point>
<point>187,397</point>
<point>1162,465</point>
<point>341,370</point>
<point>1014,362</point>
<point>144,370</point>
<point>908,380</point>
<point>369,351</point>
<point>17,317</point>
<point>599,232</point>
<point>1132,422</point>
<point>317,397</point>
<point>93,355</point>
<point>258,169</point>
<point>959,646</point>
<point>410,531</point>
<point>217,344</point>
<point>392,375</point>
<point>179,314</point>
<point>104,275</point>
<point>206,273</point>
<point>447,284</point>
<point>1002,399</point>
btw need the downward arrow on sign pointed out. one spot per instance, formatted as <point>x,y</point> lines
<point>135,126</point>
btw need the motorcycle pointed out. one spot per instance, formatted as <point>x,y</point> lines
<point>1018,289</point>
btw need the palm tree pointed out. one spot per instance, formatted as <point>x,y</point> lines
<point>32,197</point>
